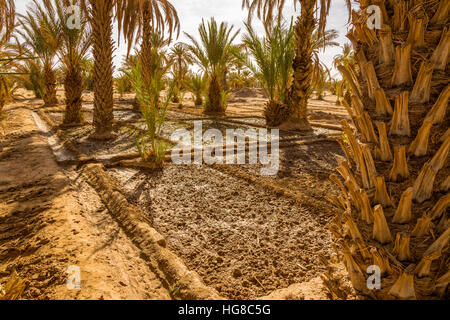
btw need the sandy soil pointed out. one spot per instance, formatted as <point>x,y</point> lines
<point>250,102</point>
<point>50,220</point>
<point>243,240</point>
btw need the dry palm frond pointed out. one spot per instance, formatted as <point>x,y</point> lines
<point>268,10</point>
<point>7,17</point>
<point>13,290</point>
<point>134,16</point>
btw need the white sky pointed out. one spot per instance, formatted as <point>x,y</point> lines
<point>191,13</point>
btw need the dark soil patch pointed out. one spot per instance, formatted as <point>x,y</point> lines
<point>243,240</point>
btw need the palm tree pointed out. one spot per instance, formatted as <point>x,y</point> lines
<point>338,88</point>
<point>100,13</point>
<point>197,84</point>
<point>181,58</point>
<point>244,79</point>
<point>273,56</point>
<point>396,172</point>
<point>346,58</point>
<point>303,65</point>
<point>212,55</point>
<point>74,46</point>
<point>320,80</point>
<point>30,76</point>
<point>39,35</point>
<point>87,73</point>
<point>158,44</point>
<point>144,20</point>
<point>152,106</point>
<point>347,61</point>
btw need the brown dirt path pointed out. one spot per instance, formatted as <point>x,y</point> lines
<point>51,219</point>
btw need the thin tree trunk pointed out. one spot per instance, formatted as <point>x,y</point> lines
<point>300,89</point>
<point>103,68</point>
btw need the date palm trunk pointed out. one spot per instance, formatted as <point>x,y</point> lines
<point>299,92</point>
<point>214,103</point>
<point>146,55</point>
<point>395,178</point>
<point>198,100</point>
<point>73,89</point>
<point>101,21</point>
<point>49,94</point>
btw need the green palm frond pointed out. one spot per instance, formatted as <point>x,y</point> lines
<point>72,44</point>
<point>213,50</point>
<point>272,58</point>
<point>133,14</point>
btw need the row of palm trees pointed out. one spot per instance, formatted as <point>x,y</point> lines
<point>285,60</point>
<point>47,35</point>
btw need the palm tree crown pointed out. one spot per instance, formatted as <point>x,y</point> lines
<point>134,16</point>
<point>216,42</point>
<point>213,54</point>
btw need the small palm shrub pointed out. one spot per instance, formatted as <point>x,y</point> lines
<point>123,84</point>
<point>212,53</point>
<point>153,110</point>
<point>197,85</point>
<point>31,77</point>
<point>272,66</point>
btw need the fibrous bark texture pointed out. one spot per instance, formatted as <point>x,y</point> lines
<point>403,213</point>
<point>73,89</point>
<point>303,70</point>
<point>101,21</point>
